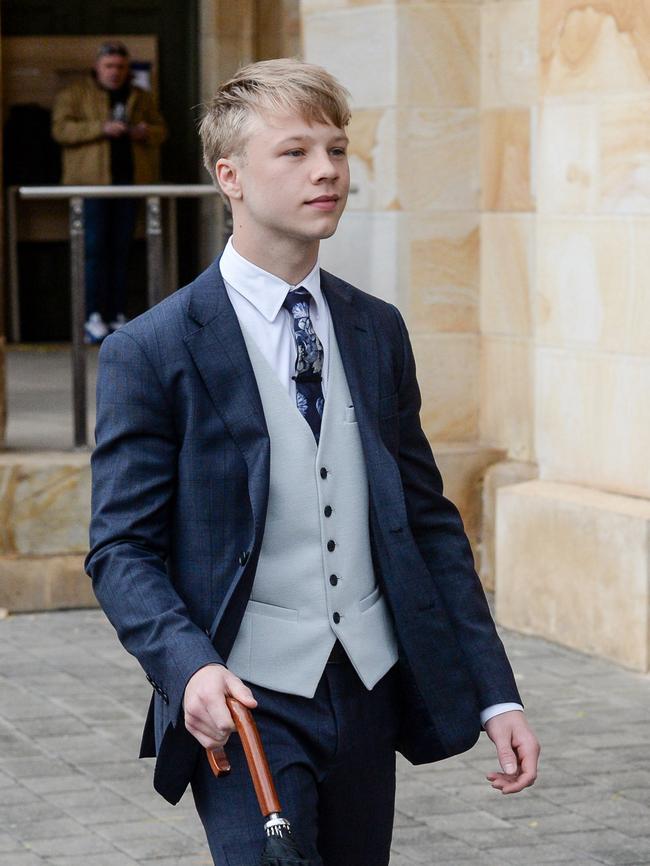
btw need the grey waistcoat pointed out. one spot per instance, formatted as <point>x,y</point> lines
<point>300,586</point>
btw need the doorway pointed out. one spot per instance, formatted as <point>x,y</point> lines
<point>44,265</point>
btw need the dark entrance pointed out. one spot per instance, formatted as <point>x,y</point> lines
<point>44,267</point>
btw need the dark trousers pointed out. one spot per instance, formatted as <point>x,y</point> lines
<point>333,762</point>
<point>109,229</point>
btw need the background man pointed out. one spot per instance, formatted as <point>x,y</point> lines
<point>268,519</point>
<point>111,132</point>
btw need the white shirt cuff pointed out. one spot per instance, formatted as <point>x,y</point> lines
<point>496,710</point>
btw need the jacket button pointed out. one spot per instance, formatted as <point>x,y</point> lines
<point>328,510</point>
<point>336,617</point>
<point>243,557</point>
<point>333,579</point>
<point>323,472</point>
<point>331,545</point>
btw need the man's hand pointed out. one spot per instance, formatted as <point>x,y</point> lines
<point>139,132</point>
<point>517,750</point>
<point>115,128</point>
<point>207,716</point>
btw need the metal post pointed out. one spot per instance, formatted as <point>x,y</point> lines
<point>155,288</point>
<point>78,303</point>
<point>12,258</point>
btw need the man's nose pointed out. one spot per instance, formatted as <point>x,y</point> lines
<point>325,168</point>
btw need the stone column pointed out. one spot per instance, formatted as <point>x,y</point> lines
<point>3,398</point>
<point>231,34</point>
<point>278,29</point>
<point>226,41</point>
<point>411,232</point>
<point>509,85</point>
<point>573,554</point>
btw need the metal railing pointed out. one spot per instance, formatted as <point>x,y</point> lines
<point>152,193</point>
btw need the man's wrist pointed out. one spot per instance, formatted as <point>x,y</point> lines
<point>496,710</point>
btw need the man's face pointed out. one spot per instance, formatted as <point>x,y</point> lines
<point>294,177</point>
<point>112,71</point>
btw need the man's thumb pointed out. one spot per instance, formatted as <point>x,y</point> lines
<point>241,692</point>
<point>507,760</point>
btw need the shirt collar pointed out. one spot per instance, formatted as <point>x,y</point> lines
<point>263,290</point>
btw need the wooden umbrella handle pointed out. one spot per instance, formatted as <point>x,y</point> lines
<point>255,758</point>
<point>218,760</point>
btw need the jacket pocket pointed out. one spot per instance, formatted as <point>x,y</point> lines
<point>260,608</point>
<point>369,600</point>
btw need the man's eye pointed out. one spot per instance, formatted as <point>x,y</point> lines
<point>339,151</point>
<point>294,153</point>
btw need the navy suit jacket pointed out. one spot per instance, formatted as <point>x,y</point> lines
<point>180,489</point>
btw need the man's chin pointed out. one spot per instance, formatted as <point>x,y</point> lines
<point>328,229</point>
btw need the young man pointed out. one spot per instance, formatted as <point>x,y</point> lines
<point>111,132</point>
<point>268,519</point>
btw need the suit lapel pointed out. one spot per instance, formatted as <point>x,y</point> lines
<point>357,343</point>
<point>221,358</point>
<point>219,353</point>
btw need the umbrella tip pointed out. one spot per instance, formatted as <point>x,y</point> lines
<point>276,825</point>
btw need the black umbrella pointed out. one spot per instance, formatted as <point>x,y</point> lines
<point>280,848</point>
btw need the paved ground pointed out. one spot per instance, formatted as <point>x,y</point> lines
<point>72,704</point>
<point>39,396</point>
<point>73,794</point>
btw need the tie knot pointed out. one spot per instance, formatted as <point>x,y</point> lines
<point>297,302</point>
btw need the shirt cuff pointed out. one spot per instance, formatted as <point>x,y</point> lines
<point>496,710</point>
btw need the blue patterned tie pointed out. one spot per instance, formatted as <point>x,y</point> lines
<point>309,360</point>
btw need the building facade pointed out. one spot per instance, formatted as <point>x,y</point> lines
<point>500,154</point>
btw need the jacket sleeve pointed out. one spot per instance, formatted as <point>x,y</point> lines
<point>439,534</point>
<point>68,126</point>
<point>133,483</point>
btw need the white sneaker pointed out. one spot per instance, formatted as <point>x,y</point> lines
<point>119,320</point>
<point>95,329</point>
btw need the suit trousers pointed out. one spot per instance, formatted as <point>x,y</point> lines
<point>333,762</point>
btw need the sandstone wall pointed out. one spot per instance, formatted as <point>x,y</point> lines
<point>572,550</point>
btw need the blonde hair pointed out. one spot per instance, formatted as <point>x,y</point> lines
<point>278,86</point>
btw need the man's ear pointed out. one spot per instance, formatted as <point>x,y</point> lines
<point>228,178</point>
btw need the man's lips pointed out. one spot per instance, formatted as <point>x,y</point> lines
<point>324,202</point>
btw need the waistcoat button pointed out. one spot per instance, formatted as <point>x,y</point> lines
<point>243,557</point>
<point>331,545</point>
<point>323,472</point>
<point>336,617</point>
<point>328,510</point>
<point>333,579</point>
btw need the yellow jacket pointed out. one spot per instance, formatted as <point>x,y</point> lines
<point>78,117</point>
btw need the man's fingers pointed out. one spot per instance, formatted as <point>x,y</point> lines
<point>507,758</point>
<point>529,758</point>
<point>212,724</point>
<point>513,786</point>
<point>221,723</point>
<point>517,752</point>
<point>238,690</point>
<point>204,737</point>
<point>527,773</point>
<point>219,715</point>
<point>207,716</point>
<point>197,725</point>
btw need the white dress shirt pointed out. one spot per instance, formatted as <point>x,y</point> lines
<point>257,297</point>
